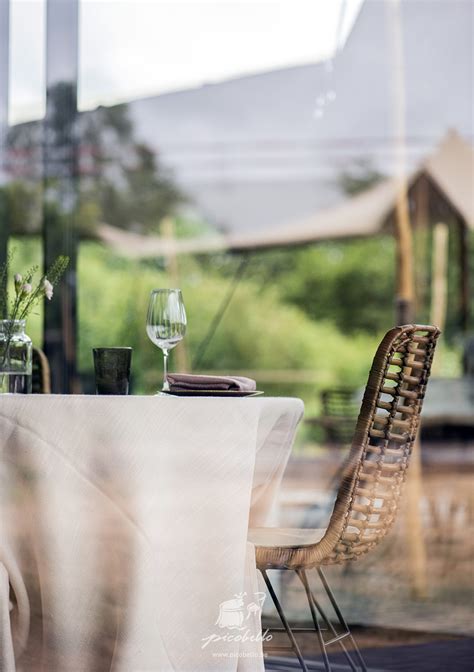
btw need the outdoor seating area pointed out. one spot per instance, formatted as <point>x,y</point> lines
<point>236,336</point>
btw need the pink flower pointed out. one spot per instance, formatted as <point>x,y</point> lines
<point>48,289</point>
<point>26,288</point>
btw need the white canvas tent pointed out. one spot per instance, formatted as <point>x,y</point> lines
<point>449,171</point>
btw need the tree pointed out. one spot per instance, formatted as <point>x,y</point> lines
<point>121,180</point>
<point>121,177</point>
<point>359,177</point>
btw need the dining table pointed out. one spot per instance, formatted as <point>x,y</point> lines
<point>123,530</point>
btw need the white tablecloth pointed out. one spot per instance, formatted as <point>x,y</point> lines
<point>123,526</point>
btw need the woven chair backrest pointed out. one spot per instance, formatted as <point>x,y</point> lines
<point>386,429</point>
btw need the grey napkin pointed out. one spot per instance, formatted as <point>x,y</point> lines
<point>188,381</point>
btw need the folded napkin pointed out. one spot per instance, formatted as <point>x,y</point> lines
<point>188,381</point>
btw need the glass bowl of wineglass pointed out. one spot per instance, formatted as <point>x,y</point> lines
<point>166,324</point>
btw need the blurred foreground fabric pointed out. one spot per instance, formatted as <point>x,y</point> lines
<point>123,529</point>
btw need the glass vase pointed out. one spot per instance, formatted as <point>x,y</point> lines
<point>15,358</point>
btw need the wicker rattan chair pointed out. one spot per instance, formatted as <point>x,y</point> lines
<point>41,375</point>
<point>369,493</point>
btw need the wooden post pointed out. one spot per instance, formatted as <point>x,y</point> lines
<point>439,279</point>
<point>167,229</point>
<point>403,234</point>
<point>464,278</point>
<point>414,526</point>
<point>404,301</point>
<point>404,309</point>
<point>422,239</point>
<point>439,283</point>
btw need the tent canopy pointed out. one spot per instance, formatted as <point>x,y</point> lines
<point>450,169</point>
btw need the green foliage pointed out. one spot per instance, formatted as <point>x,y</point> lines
<point>27,293</point>
<point>350,283</point>
<point>261,330</point>
<point>27,254</point>
<point>257,332</point>
<point>21,206</point>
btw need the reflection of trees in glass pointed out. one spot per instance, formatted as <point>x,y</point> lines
<point>121,181</point>
<point>359,177</point>
<point>21,206</point>
<point>20,198</point>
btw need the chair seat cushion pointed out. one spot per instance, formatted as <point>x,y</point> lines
<point>270,537</point>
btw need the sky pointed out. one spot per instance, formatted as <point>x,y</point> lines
<point>134,48</point>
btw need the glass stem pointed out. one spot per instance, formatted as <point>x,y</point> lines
<point>166,385</point>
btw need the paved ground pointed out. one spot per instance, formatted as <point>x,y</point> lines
<point>397,629</point>
<point>379,590</point>
<point>437,656</point>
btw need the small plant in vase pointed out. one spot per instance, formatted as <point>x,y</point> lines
<point>15,345</point>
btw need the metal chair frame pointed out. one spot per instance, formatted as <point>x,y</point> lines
<point>315,608</point>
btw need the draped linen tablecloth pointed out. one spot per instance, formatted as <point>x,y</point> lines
<point>123,530</point>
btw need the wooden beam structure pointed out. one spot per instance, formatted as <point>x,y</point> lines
<point>405,292</point>
<point>464,276</point>
<point>405,296</point>
<point>419,194</point>
<point>172,267</point>
<point>439,282</point>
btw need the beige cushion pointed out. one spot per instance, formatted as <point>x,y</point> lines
<point>279,536</point>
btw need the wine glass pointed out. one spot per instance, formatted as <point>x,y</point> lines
<point>166,323</point>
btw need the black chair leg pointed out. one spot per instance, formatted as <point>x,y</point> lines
<point>286,625</point>
<point>302,576</point>
<point>341,619</point>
